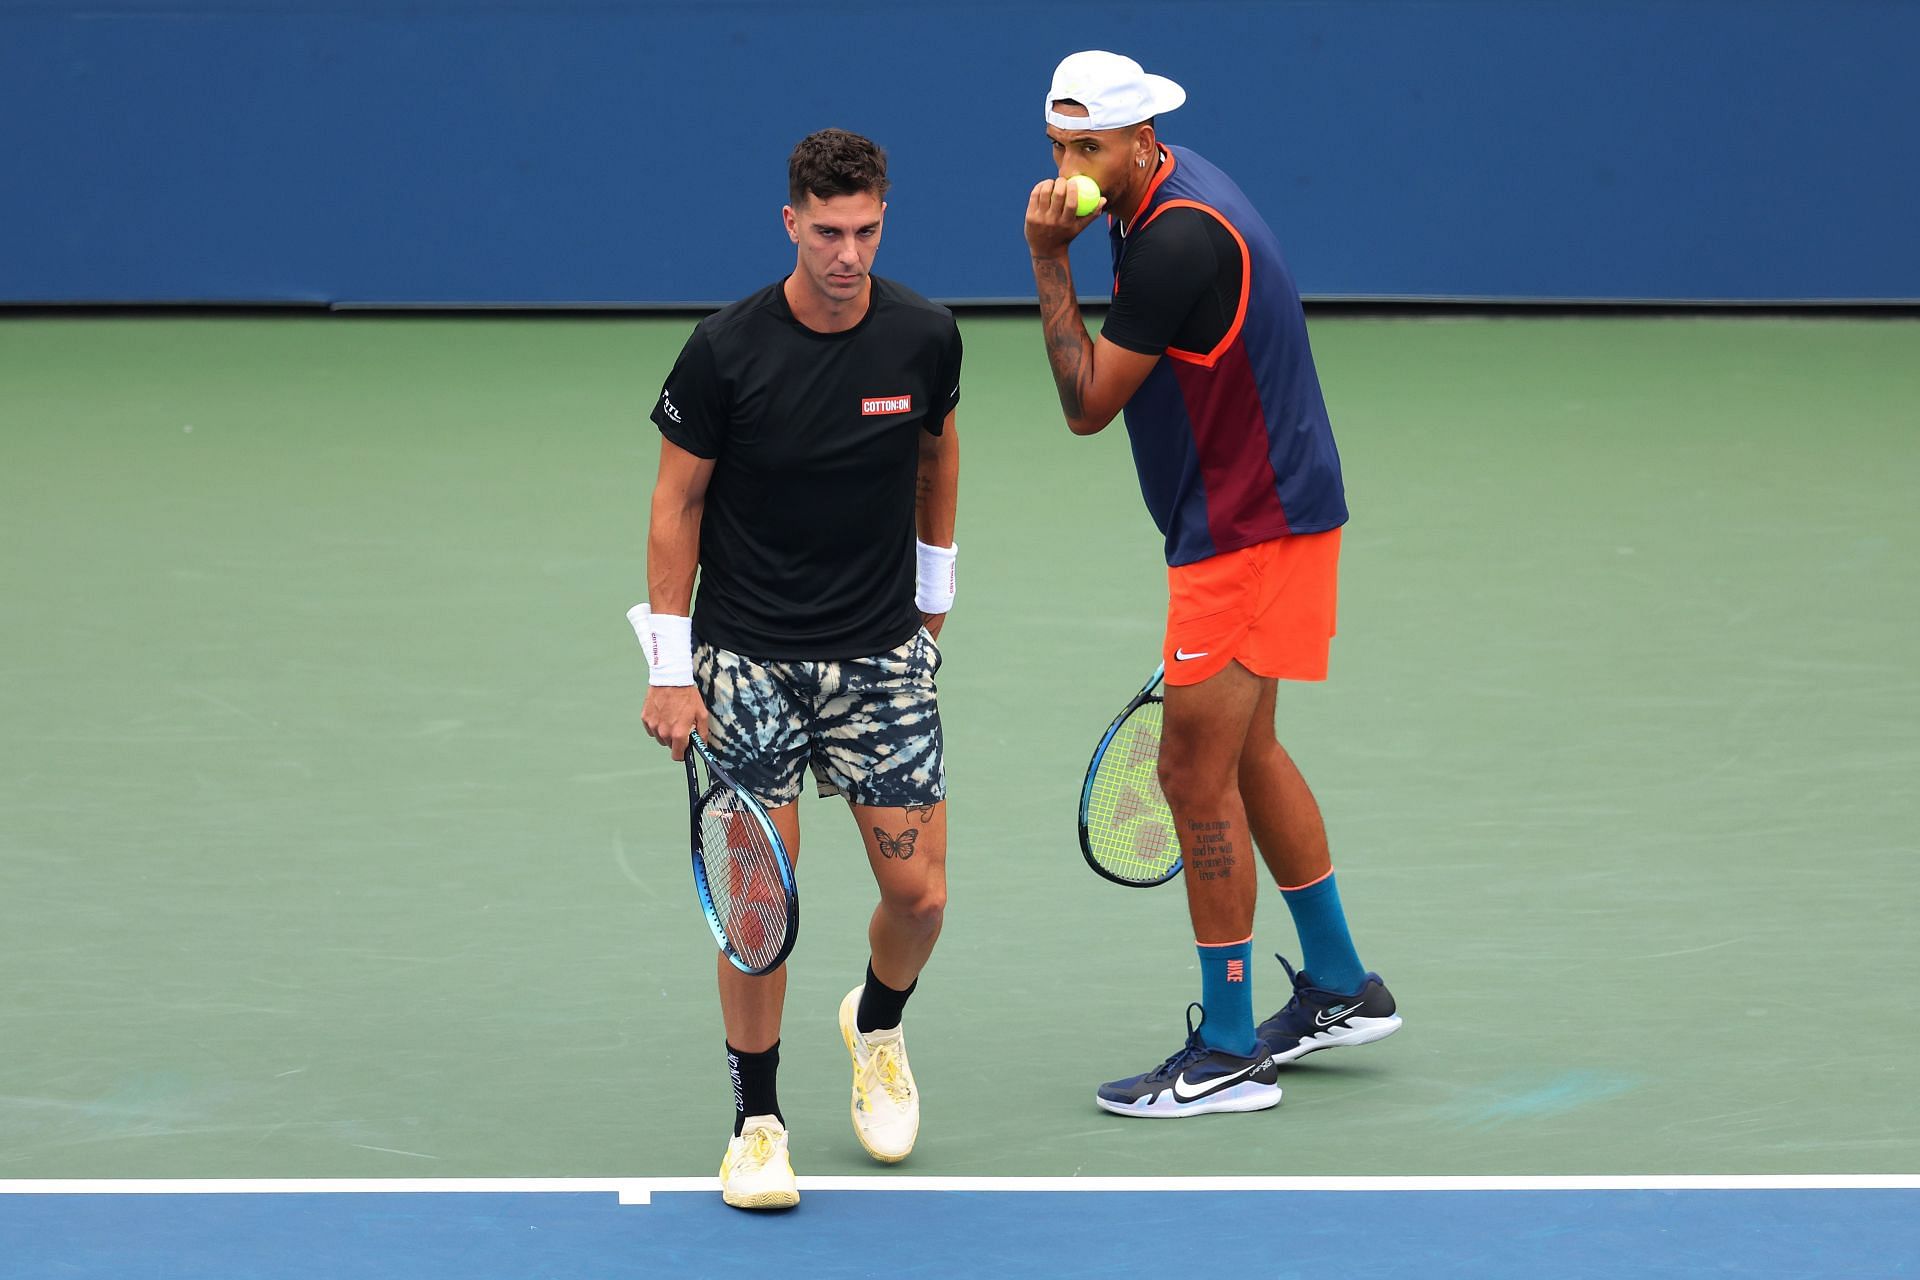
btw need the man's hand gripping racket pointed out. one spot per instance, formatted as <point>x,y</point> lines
<point>742,873</point>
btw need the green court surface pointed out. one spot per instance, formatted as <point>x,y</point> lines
<point>331,845</point>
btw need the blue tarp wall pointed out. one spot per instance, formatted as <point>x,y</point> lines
<point>633,151</point>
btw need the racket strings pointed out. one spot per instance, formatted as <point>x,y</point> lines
<point>743,878</point>
<point>1129,827</point>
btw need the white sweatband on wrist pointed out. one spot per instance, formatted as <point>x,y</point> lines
<point>933,580</point>
<point>668,642</point>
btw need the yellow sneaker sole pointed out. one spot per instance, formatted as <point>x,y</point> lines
<point>763,1200</point>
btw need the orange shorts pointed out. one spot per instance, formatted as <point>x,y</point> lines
<point>1269,606</point>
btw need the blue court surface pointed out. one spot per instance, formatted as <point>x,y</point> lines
<point>1278,1228</point>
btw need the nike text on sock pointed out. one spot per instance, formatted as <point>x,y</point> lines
<point>1227,996</point>
<point>752,1076</point>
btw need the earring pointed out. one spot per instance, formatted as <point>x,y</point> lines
<point>1140,162</point>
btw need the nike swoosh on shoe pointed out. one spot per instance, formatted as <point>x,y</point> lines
<point>1212,1086</point>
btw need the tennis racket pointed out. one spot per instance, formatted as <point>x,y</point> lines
<point>740,868</point>
<point>1126,828</point>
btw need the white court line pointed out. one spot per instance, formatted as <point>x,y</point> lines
<point>642,1190</point>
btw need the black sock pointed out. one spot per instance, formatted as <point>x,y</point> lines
<point>880,1005</point>
<point>753,1092</point>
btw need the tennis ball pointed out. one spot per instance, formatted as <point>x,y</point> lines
<point>1085,192</point>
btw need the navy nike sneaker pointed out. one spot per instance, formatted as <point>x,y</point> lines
<point>1196,1080</point>
<point>1317,1019</point>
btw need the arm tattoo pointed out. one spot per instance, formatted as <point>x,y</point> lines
<point>1211,854</point>
<point>1069,350</point>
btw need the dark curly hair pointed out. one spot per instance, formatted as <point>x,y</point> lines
<point>834,162</point>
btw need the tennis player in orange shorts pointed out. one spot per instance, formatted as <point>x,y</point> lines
<point>1205,348</point>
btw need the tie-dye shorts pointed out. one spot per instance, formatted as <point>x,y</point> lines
<point>868,727</point>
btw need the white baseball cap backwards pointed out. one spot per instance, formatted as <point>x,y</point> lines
<point>1113,88</point>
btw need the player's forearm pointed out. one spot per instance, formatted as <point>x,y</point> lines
<point>1069,349</point>
<point>673,552</point>
<point>937,487</point>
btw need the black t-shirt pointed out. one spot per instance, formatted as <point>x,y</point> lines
<point>1179,285</point>
<point>806,541</point>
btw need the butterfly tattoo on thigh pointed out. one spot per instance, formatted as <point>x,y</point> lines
<point>900,846</point>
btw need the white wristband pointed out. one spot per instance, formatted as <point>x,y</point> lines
<point>934,581</point>
<point>668,641</point>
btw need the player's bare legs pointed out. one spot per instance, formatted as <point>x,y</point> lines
<point>751,1006</point>
<point>907,848</point>
<point>1201,740</point>
<point>1284,816</point>
<point>1335,1000</point>
<point>756,1173</point>
<point>1221,1067</point>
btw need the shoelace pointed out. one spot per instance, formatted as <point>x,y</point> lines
<point>1178,1062</point>
<point>758,1151</point>
<point>1298,984</point>
<point>1194,1048</point>
<point>883,1067</point>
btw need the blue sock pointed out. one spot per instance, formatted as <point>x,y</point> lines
<point>1326,948</point>
<point>1227,996</point>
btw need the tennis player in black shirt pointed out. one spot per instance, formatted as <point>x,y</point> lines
<point>808,471</point>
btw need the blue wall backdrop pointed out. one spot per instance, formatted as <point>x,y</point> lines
<point>603,152</point>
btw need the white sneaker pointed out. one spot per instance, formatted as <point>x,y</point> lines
<point>886,1106</point>
<point>756,1173</point>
